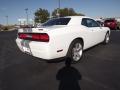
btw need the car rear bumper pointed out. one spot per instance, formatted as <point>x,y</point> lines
<point>39,49</point>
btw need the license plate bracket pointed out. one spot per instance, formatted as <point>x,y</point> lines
<point>26,50</point>
<point>25,46</point>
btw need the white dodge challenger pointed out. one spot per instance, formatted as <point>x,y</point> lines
<point>61,37</point>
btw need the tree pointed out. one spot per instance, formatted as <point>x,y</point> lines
<point>41,15</point>
<point>66,12</point>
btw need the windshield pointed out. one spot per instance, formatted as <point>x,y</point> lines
<point>57,21</point>
<point>109,20</point>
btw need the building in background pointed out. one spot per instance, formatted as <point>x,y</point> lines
<point>118,19</point>
<point>23,21</point>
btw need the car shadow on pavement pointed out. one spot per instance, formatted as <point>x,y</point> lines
<point>58,60</point>
<point>68,77</point>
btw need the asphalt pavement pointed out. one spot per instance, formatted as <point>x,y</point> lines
<point>99,68</point>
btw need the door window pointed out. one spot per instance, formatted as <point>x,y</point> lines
<point>89,22</point>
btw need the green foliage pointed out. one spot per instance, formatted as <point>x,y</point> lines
<point>66,12</point>
<point>6,28</point>
<point>1,27</point>
<point>41,15</point>
<point>118,25</point>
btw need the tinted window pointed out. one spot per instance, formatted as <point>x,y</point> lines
<point>100,23</point>
<point>57,21</point>
<point>89,22</point>
<point>84,21</point>
<point>110,21</point>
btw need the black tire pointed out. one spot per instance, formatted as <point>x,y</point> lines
<point>75,51</point>
<point>107,38</point>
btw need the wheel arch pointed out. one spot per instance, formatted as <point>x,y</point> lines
<point>80,39</point>
<point>108,32</point>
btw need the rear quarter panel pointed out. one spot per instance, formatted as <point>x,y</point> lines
<point>61,39</point>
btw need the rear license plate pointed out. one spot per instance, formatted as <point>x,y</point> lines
<point>26,50</point>
<point>25,46</point>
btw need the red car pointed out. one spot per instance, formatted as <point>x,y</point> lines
<point>111,23</point>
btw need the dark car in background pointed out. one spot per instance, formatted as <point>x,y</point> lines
<point>111,23</point>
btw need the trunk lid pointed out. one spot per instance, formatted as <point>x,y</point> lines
<point>41,29</point>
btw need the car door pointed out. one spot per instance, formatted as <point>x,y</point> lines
<point>93,32</point>
<point>96,29</point>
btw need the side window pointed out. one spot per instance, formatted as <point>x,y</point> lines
<point>92,23</point>
<point>84,22</point>
<point>89,22</point>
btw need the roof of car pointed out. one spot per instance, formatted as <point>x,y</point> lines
<point>77,17</point>
<point>75,20</point>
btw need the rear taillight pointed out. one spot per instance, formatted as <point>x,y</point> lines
<point>22,36</point>
<point>43,37</point>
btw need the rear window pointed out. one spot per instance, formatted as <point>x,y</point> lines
<point>57,21</point>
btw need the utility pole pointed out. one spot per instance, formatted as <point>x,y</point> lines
<point>6,20</point>
<point>59,4</point>
<point>68,11</point>
<point>58,9</point>
<point>26,10</point>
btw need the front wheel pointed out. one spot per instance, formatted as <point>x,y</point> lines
<point>76,51</point>
<point>107,38</point>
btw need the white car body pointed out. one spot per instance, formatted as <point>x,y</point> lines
<point>60,38</point>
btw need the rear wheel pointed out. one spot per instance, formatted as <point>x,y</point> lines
<point>76,51</point>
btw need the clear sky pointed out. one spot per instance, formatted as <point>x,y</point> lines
<point>15,9</point>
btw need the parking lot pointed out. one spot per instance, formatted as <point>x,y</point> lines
<point>98,70</point>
